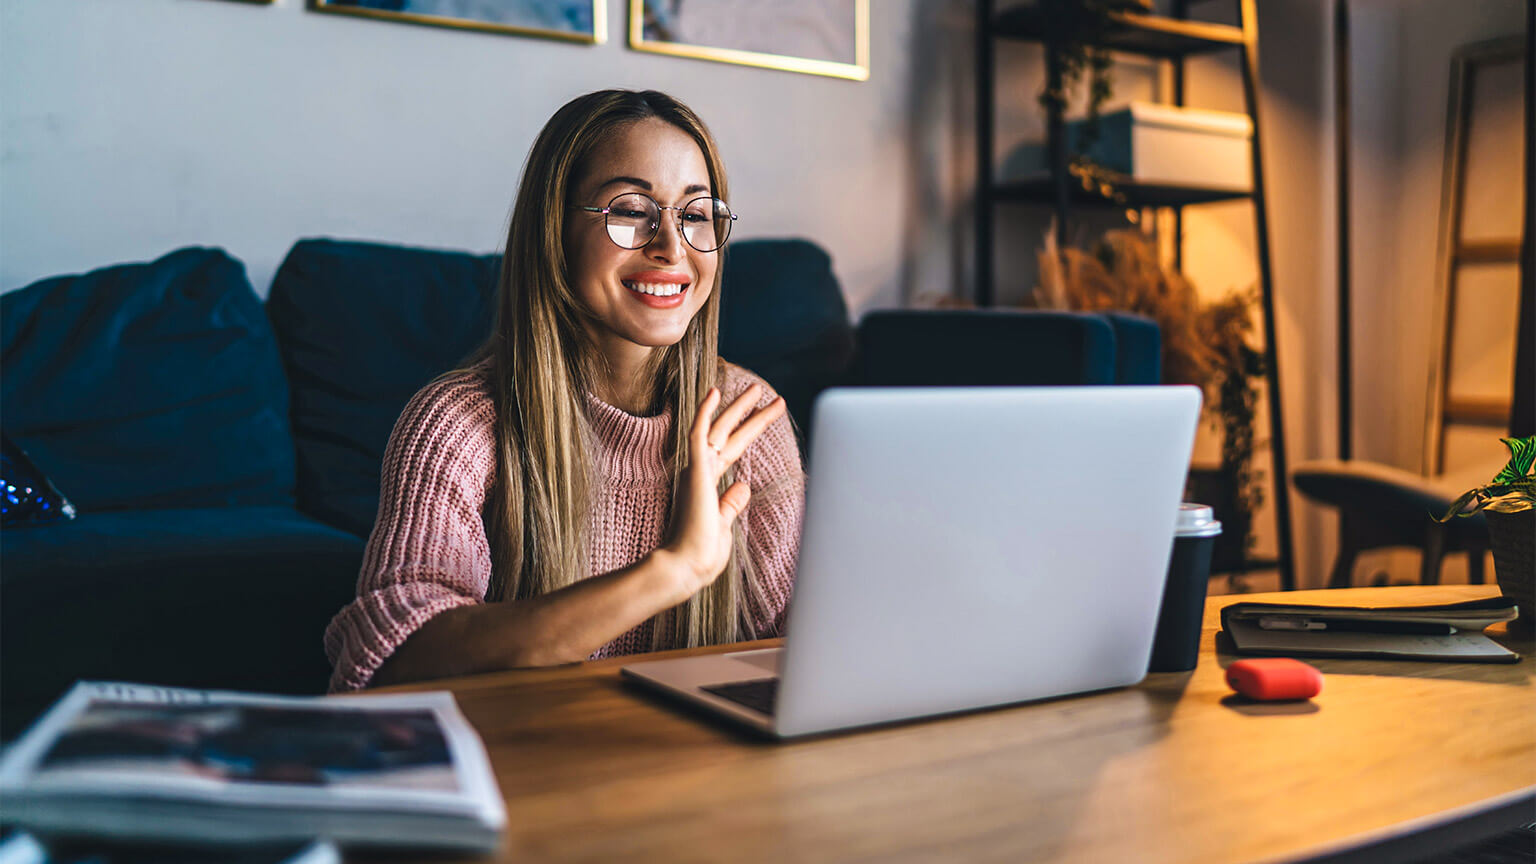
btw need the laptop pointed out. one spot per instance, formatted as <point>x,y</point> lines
<point>963,548</point>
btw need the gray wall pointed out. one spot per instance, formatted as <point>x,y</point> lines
<point>133,128</point>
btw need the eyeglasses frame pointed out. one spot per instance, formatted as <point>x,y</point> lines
<point>659,206</point>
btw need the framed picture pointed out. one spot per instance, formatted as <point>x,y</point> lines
<point>569,20</point>
<point>818,37</point>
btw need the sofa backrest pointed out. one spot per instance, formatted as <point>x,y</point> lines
<point>782,315</point>
<point>1017,347</point>
<point>148,385</point>
<point>973,347</point>
<point>362,327</point>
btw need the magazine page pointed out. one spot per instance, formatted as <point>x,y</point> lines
<point>411,751</point>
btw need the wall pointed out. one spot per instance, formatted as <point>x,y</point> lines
<point>1401,77</point>
<point>133,128</point>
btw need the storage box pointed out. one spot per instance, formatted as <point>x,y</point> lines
<point>1157,144</point>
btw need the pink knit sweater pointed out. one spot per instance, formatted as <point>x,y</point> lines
<point>428,550</point>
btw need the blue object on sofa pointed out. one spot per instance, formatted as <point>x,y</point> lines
<point>154,394</point>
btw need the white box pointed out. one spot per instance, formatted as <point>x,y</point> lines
<point>1160,145</point>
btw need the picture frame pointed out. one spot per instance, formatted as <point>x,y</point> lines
<point>815,37</point>
<point>581,21</point>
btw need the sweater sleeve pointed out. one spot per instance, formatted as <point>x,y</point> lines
<point>428,550</point>
<point>772,468</point>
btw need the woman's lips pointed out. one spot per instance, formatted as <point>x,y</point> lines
<point>659,289</point>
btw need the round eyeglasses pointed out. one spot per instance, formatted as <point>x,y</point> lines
<point>633,219</point>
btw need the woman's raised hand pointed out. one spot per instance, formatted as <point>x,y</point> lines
<point>702,517</point>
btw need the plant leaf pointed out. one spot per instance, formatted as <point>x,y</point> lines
<point>1522,453</point>
<point>1461,502</point>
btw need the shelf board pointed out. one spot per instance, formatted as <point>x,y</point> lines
<point>1151,35</point>
<point>1042,190</point>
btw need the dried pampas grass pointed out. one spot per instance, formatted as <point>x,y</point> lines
<point>1123,274</point>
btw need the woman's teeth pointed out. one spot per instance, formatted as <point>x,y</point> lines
<point>657,289</point>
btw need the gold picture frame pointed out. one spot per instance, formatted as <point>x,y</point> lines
<point>843,41</point>
<point>516,21</point>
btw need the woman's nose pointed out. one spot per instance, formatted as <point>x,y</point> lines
<point>668,241</point>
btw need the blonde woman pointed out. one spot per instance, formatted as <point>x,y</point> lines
<point>595,481</point>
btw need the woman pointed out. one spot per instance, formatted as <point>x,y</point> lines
<point>581,468</point>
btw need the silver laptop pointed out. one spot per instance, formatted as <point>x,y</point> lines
<point>964,548</point>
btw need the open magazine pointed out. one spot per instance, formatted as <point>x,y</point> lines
<point>133,761</point>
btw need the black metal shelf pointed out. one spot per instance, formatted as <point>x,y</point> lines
<point>1169,38</point>
<point>1150,35</point>
<point>1041,189</point>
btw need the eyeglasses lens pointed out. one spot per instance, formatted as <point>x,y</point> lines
<point>633,220</point>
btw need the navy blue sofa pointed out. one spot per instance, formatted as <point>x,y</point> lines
<point>224,454</point>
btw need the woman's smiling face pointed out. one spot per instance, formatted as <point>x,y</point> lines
<point>629,292</point>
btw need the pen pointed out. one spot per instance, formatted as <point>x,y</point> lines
<point>1355,625</point>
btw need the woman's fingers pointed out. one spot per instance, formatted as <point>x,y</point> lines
<point>734,501</point>
<point>720,430</point>
<point>699,434</point>
<point>748,431</point>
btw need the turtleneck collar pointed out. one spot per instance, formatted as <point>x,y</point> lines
<point>631,449</point>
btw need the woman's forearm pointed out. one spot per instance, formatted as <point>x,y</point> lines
<point>564,626</point>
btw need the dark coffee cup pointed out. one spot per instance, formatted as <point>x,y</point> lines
<point>1176,646</point>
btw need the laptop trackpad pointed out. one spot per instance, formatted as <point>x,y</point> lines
<point>763,658</point>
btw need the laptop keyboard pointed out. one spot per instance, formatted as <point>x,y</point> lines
<point>759,695</point>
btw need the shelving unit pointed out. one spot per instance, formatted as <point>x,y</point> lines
<point>1167,38</point>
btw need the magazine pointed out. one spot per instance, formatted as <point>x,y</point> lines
<point>133,761</point>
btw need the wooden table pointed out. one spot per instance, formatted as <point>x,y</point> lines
<point>1174,769</point>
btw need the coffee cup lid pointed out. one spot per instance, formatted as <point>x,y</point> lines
<point>1197,520</point>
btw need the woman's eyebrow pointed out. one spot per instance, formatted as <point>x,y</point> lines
<point>646,185</point>
<point>629,181</point>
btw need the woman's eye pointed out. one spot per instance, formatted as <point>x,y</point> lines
<point>629,214</point>
<point>695,217</point>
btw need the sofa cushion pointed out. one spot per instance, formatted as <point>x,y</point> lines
<point>976,347</point>
<point>234,598</point>
<point>149,385</point>
<point>1138,348</point>
<point>361,328</point>
<point>783,316</point>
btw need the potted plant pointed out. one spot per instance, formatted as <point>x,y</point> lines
<point>1508,502</point>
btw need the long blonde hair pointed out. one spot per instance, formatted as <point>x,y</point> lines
<point>541,363</point>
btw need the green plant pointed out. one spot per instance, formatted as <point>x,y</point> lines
<point>1077,31</point>
<point>1512,490</point>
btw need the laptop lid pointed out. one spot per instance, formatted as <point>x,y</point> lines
<point>967,547</point>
